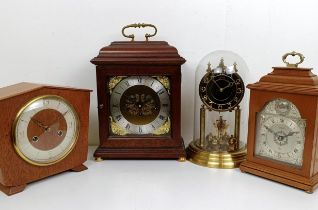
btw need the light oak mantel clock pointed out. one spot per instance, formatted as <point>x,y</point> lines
<point>43,131</point>
<point>282,129</point>
<point>139,94</point>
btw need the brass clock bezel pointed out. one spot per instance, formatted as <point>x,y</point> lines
<point>74,139</point>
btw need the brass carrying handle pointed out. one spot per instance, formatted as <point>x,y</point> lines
<point>294,65</point>
<point>138,25</point>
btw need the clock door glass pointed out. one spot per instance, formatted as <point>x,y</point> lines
<point>280,133</point>
<point>140,105</point>
<point>45,130</point>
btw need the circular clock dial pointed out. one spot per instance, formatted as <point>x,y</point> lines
<point>139,105</point>
<point>220,91</point>
<point>45,130</point>
<point>280,136</point>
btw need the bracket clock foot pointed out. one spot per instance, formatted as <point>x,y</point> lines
<point>98,159</point>
<point>182,159</point>
<point>11,190</point>
<point>79,168</point>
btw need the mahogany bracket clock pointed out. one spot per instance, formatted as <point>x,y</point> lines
<point>43,131</point>
<point>282,128</point>
<point>138,88</point>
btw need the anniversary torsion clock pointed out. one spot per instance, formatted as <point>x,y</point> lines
<point>282,141</point>
<point>43,132</point>
<point>138,84</point>
<point>219,92</point>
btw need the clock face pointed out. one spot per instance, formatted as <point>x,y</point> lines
<point>45,130</point>
<point>140,105</point>
<point>221,91</point>
<point>280,133</point>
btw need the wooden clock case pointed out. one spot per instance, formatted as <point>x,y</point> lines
<point>139,58</point>
<point>15,172</point>
<point>300,86</point>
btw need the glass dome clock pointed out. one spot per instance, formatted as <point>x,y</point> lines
<point>218,107</point>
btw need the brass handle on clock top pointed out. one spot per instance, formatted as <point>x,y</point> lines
<point>138,25</point>
<point>294,65</point>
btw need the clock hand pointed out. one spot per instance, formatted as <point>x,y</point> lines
<point>229,85</point>
<point>291,133</point>
<point>60,117</point>
<point>217,85</point>
<point>40,124</point>
<point>270,130</point>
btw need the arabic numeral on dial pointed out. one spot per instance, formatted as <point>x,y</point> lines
<point>161,117</point>
<point>118,117</point>
<point>219,106</point>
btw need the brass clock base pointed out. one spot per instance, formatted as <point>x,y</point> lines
<point>202,157</point>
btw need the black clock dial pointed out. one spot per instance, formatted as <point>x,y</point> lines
<point>221,92</point>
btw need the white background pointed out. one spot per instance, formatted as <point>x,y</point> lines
<point>52,42</point>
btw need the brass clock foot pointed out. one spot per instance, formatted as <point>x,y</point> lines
<point>98,159</point>
<point>182,159</point>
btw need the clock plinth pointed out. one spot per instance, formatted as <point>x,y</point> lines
<point>141,153</point>
<point>225,159</point>
<point>300,182</point>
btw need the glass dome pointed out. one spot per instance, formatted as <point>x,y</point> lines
<point>221,110</point>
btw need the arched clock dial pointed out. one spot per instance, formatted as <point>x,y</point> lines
<point>139,105</point>
<point>221,91</point>
<point>280,133</point>
<point>45,130</point>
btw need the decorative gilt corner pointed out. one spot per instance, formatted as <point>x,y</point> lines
<point>113,81</point>
<point>164,129</point>
<point>116,129</point>
<point>164,81</point>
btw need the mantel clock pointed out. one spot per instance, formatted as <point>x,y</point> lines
<point>138,87</point>
<point>282,140</point>
<point>43,131</point>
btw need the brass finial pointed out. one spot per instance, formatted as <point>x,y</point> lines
<point>222,66</point>
<point>235,66</point>
<point>209,69</point>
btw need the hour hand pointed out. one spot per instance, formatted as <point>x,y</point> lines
<point>40,124</point>
<point>270,130</point>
